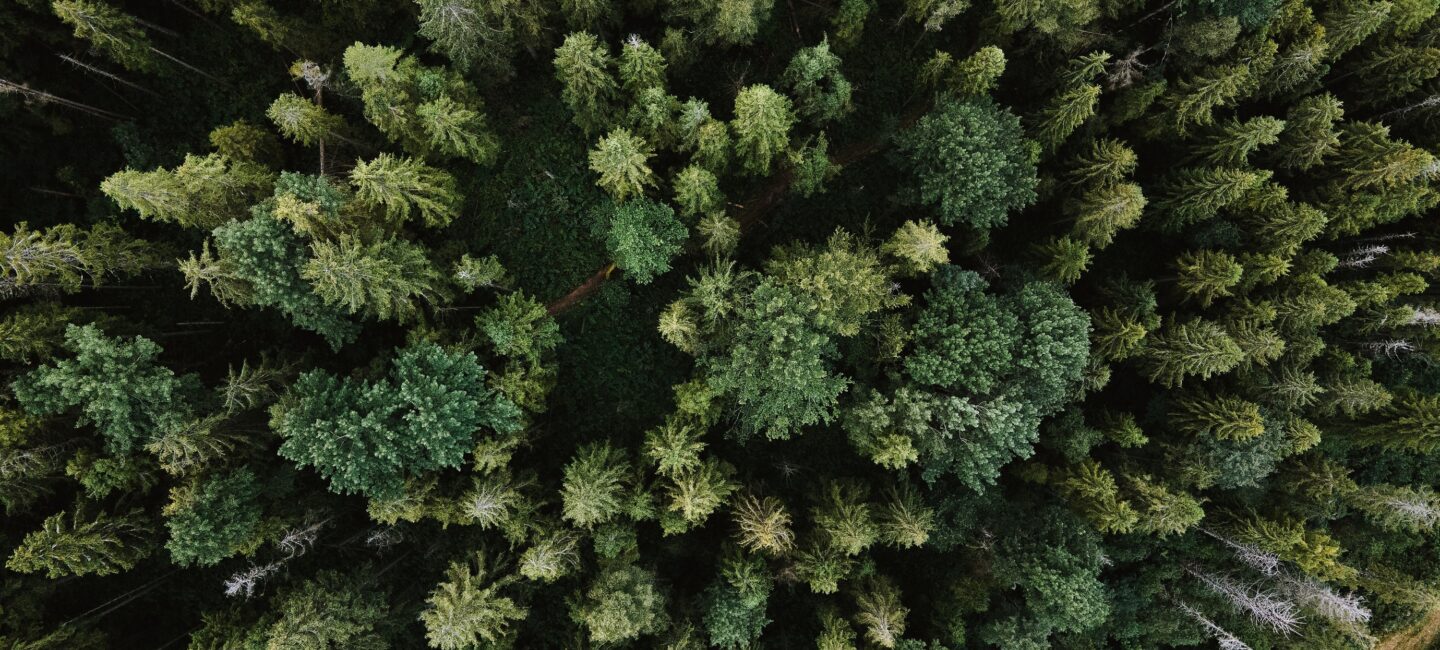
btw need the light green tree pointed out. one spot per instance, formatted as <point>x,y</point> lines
<point>467,609</point>
<point>402,186</point>
<point>620,160</point>
<point>762,123</point>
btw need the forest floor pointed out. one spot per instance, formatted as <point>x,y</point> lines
<point>1425,635</point>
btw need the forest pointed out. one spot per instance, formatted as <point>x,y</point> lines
<point>738,324</point>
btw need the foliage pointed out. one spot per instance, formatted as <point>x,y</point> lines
<point>970,161</point>
<point>422,416</point>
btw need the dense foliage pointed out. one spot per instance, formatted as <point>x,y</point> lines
<point>920,324</point>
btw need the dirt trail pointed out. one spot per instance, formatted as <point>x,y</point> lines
<point>1424,635</point>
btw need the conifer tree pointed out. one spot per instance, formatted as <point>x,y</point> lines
<point>1411,423</point>
<point>1225,417</point>
<point>642,236</point>
<point>77,545</point>
<point>762,123</point>
<point>623,604</point>
<point>978,73</point>
<point>479,35</point>
<point>697,191</point>
<point>1092,491</point>
<point>212,521</point>
<point>620,160</point>
<point>400,186</point>
<point>259,261</point>
<point>384,280</point>
<point>1233,141</point>
<point>641,67</point>
<point>421,417</point>
<point>467,608</point>
<point>1064,114</point>
<point>203,192</point>
<point>821,92</point>
<point>1310,136</point>
<point>596,482</point>
<point>108,30</point>
<point>970,161</point>
<point>303,121</point>
<point>1206,275</point>
<point>726,23</point>
<point>1106,162</point>
<point>116,384</point>
<point>1101,213</point>
<point>587,86</point>
<point>919,247</point>
<point>1063,259</point>
<point>1192,348</point>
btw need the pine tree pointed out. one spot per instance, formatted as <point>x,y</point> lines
<point>1197,194</point>
<point>881,614</point>
<point>978,73</point>
<point>587,86</point>
<point>642,236</point>
<point>1233,141</point>
<point>1310,136</point>
<point>1063,259</point>
<point>1104,211</point>
<point>1192,348</point>
<point>76,545</point>
<point>203,192</point>
<point>596,482</point>
<point>1206,275</point>
<point>1116,336</point>
<point>845,519</point>
<point>1222,416</point>
<point>697,192</point>
<point>918,246</point>
<point>467,608</point>
<point>641,67</point>
<point>330,611</point>
<point>480,35</point>
<point>1393,71</point>
<point>821,92</point>
<point>108,30</point>
<point>1091,491</point>
<point>726,23</point>
<point>624,603</point>
<point>762,123</point>
<point>777,369</point>
<point>383,280</point>
<point>1348,25</point>
<point>116,384</point>
<point>1163,512</point>
<point>619,158</point>
<point>763,524</point>
<point>1373,160</point>
<point>698,493</point>
<point>1064,113</point>
<point>1107,162</point>
<point>213,520</point>
<point>400,186</point>
<point>1194,99</point>
<point>811,167</point>
<point>304,121</point>
<point>368,436</point>
<point>846,280</point>
<point>1412,423</point>
<point>970,160</point>
<point>1392,507</point>
<point>259,263</point>
<point>455,129</point>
